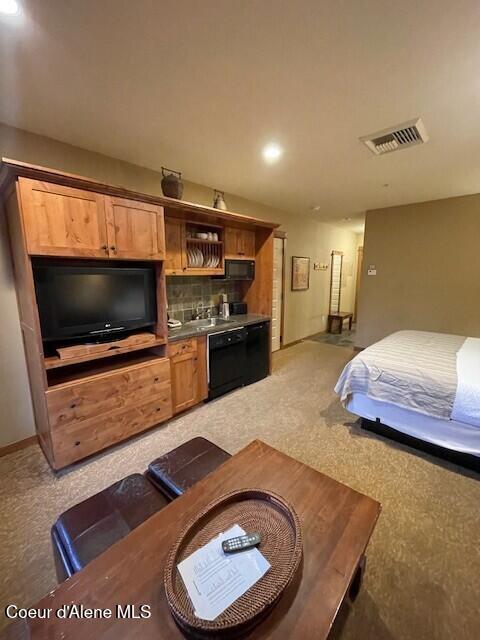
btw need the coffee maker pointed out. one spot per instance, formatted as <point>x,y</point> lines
<point>224,308</point>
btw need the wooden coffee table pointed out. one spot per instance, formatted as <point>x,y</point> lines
<point>337,523</point>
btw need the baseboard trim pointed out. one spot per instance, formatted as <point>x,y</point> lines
<point>17,446</point>
<point>291,344</point>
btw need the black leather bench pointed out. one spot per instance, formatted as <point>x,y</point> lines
<point>89,528</point>
<point>179,469</point>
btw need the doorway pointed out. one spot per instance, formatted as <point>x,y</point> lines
<point>336,268</point>
<point>278,298</point>
<point>358,280</point>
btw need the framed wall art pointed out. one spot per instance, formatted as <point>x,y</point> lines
<point>300,273</point>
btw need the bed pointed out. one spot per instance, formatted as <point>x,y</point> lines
<point>421,386</point>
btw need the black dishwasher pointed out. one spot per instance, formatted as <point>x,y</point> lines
<point>226,361</point>
<point>258,352</point>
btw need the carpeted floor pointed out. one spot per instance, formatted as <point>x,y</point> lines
<point>423,571</point>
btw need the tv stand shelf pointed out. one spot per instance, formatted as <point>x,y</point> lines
<point>109,349</point>
<point>78,372</point>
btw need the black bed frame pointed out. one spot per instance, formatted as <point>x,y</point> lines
<point>466,460</point>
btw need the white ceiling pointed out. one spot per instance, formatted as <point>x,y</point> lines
<point>202,85</point>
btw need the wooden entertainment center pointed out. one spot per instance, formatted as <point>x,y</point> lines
<point>87,398</point>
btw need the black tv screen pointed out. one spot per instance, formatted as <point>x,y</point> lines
<point>79,301</point>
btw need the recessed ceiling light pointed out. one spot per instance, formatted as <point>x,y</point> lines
<point>9,7</point>
<point>315,207</point>
<point>272,152</point>
<point>346,219</point>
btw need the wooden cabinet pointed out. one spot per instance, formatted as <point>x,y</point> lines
<point>135,230</point>
<point>175,261</point>
<point>188,373</point>
<point>89,414</point>
<point>239,243</point>
<point>202,375</point>
<point>62,221</point>
<point>88,402</point>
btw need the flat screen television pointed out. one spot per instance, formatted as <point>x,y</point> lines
<point>76,301</point>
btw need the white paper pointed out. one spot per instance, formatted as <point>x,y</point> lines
<point>214,579</point>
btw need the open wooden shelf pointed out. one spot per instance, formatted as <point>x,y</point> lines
<point>88,370</point>
<point>54,362</point>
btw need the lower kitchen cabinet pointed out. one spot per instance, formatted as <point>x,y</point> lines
<point>188,367</point>
<point>88,414</point>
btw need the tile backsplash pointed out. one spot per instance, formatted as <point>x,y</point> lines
<point>186,293</point>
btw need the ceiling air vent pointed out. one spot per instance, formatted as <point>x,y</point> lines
<point>402,136</point>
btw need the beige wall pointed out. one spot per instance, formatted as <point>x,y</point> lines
<point>305,312</point>
<point>427,258</point>
<point>16,416</point>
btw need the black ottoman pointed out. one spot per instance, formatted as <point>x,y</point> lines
<point>179,469</point>
<point>88,529</point>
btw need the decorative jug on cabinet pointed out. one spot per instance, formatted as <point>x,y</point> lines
<point>172,185</point>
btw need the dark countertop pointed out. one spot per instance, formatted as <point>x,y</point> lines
<point>186,331</point>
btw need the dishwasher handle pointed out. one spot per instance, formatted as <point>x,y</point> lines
<point>226,338</point>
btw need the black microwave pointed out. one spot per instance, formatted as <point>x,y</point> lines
<point>239,270</point>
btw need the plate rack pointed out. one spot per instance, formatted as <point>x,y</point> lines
<point>204,245</point>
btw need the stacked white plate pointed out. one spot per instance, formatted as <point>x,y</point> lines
<point>211,262</point>
<point>195,258</point>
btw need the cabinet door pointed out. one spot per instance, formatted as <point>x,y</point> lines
<point>135,230</point>
<point>230,242</point>
<point>239,243</point>
<point>184,381</point>
<point>61,221</point>
<point>246,244</point>
<point>174,246</point>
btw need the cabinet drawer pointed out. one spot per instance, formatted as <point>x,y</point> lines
<point>78,401</point>
<point>76,441</point>
<point>182,347</point>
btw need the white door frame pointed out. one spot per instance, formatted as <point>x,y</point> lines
<point>281,235</point>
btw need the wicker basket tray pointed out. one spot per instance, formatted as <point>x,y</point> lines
<point>254,510</point>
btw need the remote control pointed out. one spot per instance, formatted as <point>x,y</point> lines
<point>241,543</point>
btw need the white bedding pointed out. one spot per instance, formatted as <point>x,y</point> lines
<point>466,407</point>
<point>415,370</point>
<point>450,434</point>
<point>424,384</point>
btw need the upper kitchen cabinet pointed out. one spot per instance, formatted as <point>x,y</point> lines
<point>135,230</point>
<point>62,221</point>
<point>175,261</point>
<point>239,244</point>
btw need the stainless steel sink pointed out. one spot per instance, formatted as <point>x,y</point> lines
<point>209,322</point>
